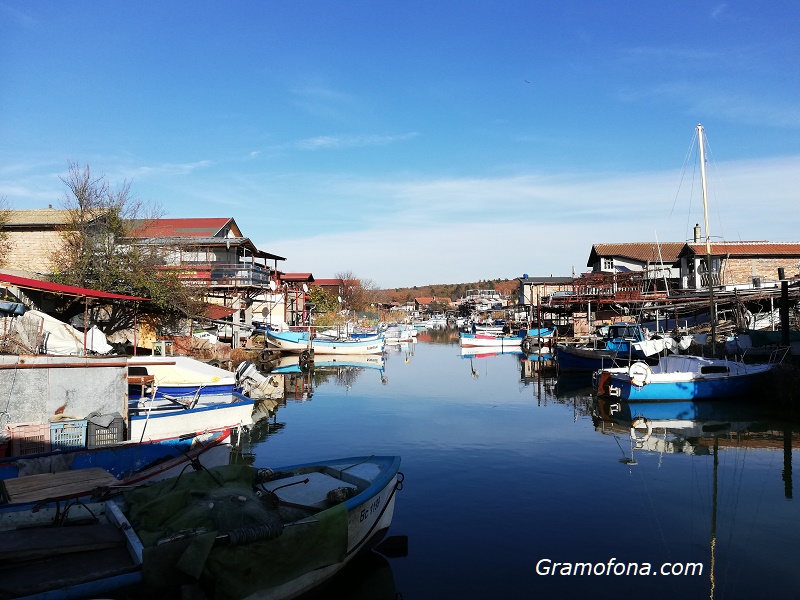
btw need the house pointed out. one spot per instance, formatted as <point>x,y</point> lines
<point>737,265</point>
<point>532,290</point>
<point>656,261</point>
<point>34,235</point>
<point>213,253</point>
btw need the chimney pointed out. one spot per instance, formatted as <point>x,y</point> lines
<point>697,233</point>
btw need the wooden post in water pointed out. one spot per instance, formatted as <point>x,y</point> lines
<point>784,309</point>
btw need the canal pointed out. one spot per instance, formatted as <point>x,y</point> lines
<point>519,485</point>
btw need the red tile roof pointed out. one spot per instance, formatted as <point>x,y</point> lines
<point>745,248</point>
<point>329,282</point>
<point>667,252</point>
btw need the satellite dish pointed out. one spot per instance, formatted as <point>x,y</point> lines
<point>305,288</point>
<point>272,285</point>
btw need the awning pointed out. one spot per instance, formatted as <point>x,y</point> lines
<point>57,288</point>
<point>217,312</point>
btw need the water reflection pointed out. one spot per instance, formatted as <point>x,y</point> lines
<point>506,433</point>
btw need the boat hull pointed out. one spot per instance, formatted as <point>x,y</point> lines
<point>297,343</point>
<point>682,378</point>
<point>233,410</point>
<point>490,341</point>
<point>574,359</point>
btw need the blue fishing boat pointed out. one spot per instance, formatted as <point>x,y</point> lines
<point>678,377</point>
<point>617,346</point>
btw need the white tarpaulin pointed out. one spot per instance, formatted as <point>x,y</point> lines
<point>37,332</point>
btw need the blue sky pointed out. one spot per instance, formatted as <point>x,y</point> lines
<point>414,142</point>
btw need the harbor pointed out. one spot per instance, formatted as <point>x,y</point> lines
<point>507,463</point>
<point>439,300</point>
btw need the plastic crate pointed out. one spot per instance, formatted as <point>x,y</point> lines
<point>68,435</point>
<point>30,438</point>
<point>97,436</point>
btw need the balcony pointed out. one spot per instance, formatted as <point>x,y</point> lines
<point>224,275</point>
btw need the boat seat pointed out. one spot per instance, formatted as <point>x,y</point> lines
<point>47,486</point>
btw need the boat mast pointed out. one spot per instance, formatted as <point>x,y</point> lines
<point>701,145</point>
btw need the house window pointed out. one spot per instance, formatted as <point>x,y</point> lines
<point>608,264</point>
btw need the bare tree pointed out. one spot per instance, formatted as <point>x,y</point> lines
<point>96,252</point>
<point>357,294</point>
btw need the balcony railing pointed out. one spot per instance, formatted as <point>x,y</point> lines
<point>227,275</point>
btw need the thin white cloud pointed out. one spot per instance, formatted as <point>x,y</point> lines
<point>351,141</point>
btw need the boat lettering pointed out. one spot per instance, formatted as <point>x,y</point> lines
<point>366,512</point>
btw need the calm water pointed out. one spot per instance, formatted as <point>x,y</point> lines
<point>506,465</point>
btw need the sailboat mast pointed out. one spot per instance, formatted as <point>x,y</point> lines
<point>701,145</point>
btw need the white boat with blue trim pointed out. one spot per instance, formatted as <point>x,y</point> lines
<point>298,341</point>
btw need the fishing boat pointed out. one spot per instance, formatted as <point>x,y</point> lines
<point>683,377</point>
<point>175,379</point>
<point>291,364</point>
<point>617,346</point>
<point>298,341</point>
<point>237,531</point>
<point>153,421</point>
<point>42,479</point>
<point>490,340</point>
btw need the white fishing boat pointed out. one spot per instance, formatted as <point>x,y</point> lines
<point>298,341</point>
<point>155,421</point>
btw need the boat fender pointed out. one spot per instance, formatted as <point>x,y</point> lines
<point>639,373</point>
<point>638,423</point>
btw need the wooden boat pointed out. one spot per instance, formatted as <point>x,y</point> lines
<point>39,479</point>
<point>298,341</point>
<point>251,533</point>
<point>155,421</point>
<point>60,539</point>
<point>677,377</point>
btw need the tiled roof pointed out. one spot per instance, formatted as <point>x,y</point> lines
<point>38,217</point>
<point>745,248</point>
<point>162,228</point>
<point>331,282</point>
<point>298,277</point>
<point>666,252</point>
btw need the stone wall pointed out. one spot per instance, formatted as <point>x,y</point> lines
<point>32,250</point>
<point>742,270</point>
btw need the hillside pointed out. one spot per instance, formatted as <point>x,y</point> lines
<point>454,291</point>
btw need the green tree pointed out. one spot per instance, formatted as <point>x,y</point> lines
<point>97,253</point>
<point>324,301</point>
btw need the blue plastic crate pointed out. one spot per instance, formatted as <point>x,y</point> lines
<point>68,435</point>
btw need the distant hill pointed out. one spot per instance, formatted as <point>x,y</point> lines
<point>454,291</point>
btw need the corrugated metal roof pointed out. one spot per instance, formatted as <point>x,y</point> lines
<point>163,228</point>
<point>57,288</point>
<point>666,252</point>
<point>745,248</point>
